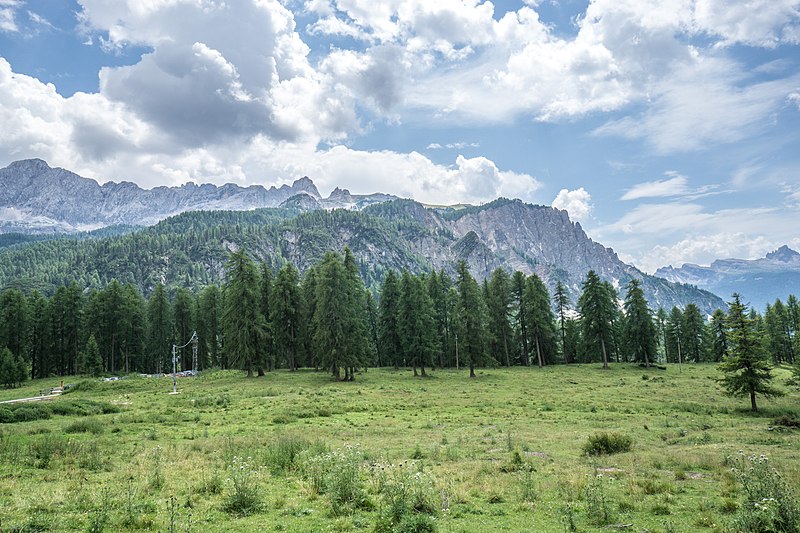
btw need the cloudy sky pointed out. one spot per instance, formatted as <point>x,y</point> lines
<point>670,129</point>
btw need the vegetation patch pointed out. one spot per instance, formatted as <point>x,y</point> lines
<point>607,444</point>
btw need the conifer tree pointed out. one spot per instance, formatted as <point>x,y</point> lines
<point>285,315</point>
<point>597,310</point>
<point>241,319</point>
<point>331,315</point>
<point>308,289</point>
<point>416,322</point>
<point>719,336</point>
<point>674,336</point>
<point>747,372</point>
<point>439,286</point>
<point>208,327</point>
<point>693,333</point>
<point>518,284</point>
<point>39,314</point>
<point>498,304</point>
<point>358,334</point>
<point>93,361</point>
<point>390,344</point>
<point>471,313</point>
<point>562,305</point>
<point>182,311</point>
<point>8,368</point>
<point>159,336</point>
<point>639,332</point>
<point>14,322</point>
<point>541,322</point>
<point>268,357</point>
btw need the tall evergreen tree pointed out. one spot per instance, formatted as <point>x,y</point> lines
<point>285,315</point>
<point>331,316</point>
<point>241,318</point>
<point>661,333</point>
<point>498,303</point>
<point>359,337</point>
<point>416,323</point>
<point>471,312</point>
<point>747,372</point>
<point>639,332</point>
<point>308,290</point>
<point>93,361</point>
<point>134,325</point>
<point>268,357</point>
<point>518,284</point>
<point>14,322</point>
<point>159,333</point>
<point>718,333</point>
<point>597,311</point>
<point>39,314</point>
<point>562,305</point>
<point>693,333</point>
<point>779,335</point>
<point>390,344</point>
<point>208,327</point>
<point>674,336</point>
<point>439,286</point>
<point>541,322</point>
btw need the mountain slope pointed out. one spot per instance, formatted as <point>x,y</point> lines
<point>759,281</point>
<point>35,198</point>
<point>191,249</point>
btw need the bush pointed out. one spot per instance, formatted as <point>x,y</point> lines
<point>245,498</point>
<point>607,443</point>
<point>31,412</point>
<point>281,455</point>
<point>85,425</point>
<point>409,499</point>
<point>338,475</point>
<point>768,502</point>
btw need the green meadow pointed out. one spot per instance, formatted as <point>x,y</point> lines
<point>295,451</point>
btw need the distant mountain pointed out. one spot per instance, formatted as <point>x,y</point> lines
<point>191,249</point>
<point>759,281</point>
<point>35,199</point>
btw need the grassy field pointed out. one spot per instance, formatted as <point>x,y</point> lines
<point>298,452</point>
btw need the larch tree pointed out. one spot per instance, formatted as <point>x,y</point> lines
<point>498,302</point>
<point>639,332</point>
<point>390,344</point>
<point>159,335</point>
<point>241,318</point>
<point>597,310</point>
<point>541,322</point>
<point>562,305</point>
<point>746,370</point>
<point>471,313</point>
<point>286,314</point>
<point>518,284</point>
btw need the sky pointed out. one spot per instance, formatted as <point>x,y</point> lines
<point>669,129</point>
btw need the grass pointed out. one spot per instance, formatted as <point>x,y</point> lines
<point>503,452</point>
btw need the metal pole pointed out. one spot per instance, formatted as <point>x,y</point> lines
<point>194,353</point>
<point>456,350</point>
<point>174,369</point>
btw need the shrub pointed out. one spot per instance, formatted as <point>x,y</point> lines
<point>607,443</point>
<point>338,475</point>
<point>787,422</point>
<point>768,503</point>
<point>85,425</point>
<point>245,498</point>
<point>281,455</point>
<point>27,413</point>
<point>409,500</point>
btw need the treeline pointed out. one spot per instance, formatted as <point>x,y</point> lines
<point>264,318</point>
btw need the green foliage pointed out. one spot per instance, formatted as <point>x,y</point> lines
<point>768,504</point>
<point>747,372</point>
<point>639,333</point>
<point>607,444</point>
<point>85,425</point>
<point>409,500</point>
<point>244,497</point>
<point>337,474</point>
<point>243,323</point>
<point>92,362</point>
<point>597,309</point>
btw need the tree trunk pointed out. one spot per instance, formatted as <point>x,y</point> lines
<point>471,371</point>
<point>646,360</point>
<point>414,367</point>
<point>605,355</point>
<point>422,367</point>
<point>753,406</point>
<point>505,348</point>
<point>260,372</point>
<point>539,353</point>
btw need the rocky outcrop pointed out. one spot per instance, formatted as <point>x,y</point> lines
<point>759,281</point>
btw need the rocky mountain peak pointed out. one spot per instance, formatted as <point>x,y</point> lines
<point>305,184</point>
<point>783,254</point>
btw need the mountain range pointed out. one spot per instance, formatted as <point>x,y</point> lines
<point>382,231</point>
<point>35,198</point>
<point>759,281</point>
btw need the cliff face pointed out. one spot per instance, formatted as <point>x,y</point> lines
<point>382,231</point>
<point>35,198</point>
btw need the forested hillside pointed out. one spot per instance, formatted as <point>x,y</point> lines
<point>189,250</point>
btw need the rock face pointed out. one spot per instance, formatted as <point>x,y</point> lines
<point>382,231</point>
<point>35,198</point>
<point>759,281</point>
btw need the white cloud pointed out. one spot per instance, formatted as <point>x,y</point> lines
<point>577,203</point>
<point>704,249</point>
<point>673,186</point>
<point>8,21</point>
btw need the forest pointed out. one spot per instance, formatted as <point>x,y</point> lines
<point>261,319</point>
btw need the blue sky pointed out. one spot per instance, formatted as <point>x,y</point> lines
<point>669,129</point>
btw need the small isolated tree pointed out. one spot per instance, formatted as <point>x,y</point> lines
<point>747,372</point>
<point>92,360</point>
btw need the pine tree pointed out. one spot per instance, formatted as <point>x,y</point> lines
<point>14,322</point>
<point>747,372</point>
<point>674,336</point>
<point>639,332</point>
<point>597,310</point>
<point>8,370</point>
<point>208,327</point>
<point>285,315</point>
<point>416,323</point>
<point>693,333</point>
<point>241,319</point>
<point>518,284</point>
<point>40,329</point>
<point>358,336</point>
<point>93,361</point>
<point>562,304</point>
<point>498,303</point>
<point>268,358</point>
<point>719,336</point>
<point>331,315</point>
<point>541,322</point>
<point>183,313</point>
<point>471,319</point>
<point>159,331</point>
<point>390,345</point>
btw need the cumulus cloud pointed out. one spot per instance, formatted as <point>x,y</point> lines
<point>8,21</point>
<point>578,203</point>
